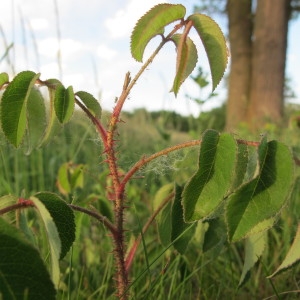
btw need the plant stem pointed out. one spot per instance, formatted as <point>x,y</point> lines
<point>118,189</point>
<point>102,132</point>
<point>122,275</point>
<point>145,160</point>
<point>128,84</point>
<point>21,204</point>
<point>97,216</point>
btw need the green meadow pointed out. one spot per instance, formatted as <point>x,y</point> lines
<point>158,272</point>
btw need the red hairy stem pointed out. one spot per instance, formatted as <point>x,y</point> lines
<point>145,160</point>
<point>248,143</point>
<point>132,251</point>
<point>21,204</point>
<point>101,130</point>
<point>118,201</point>
<point>121,275</point>
<point>182,42</point>
<point>119,189</point>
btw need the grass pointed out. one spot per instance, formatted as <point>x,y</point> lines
<point>158,272</point>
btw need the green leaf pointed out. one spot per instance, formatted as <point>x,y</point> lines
<point>161,194</point>
<point>186,59</point>
<point>3,79</point>
<point>76,176</point>
<point>215,235</point>
<point>23,274</point>
<point>206,190</point>
<point>91,103</point>
<point>240,166</point>
<point>256,202</point>
<point>152,24</point>
<point>214,43</point>
<point>36,116</point>
<point>263,225</point>
<point>253,167</point>
<point>292,257</point>
<point>53,239</point>
<point>70,177</point>
<point>64,103</point>
<point>63,180</point>
<point>178,225</point>
<point>163,220</point>
<point>254,248</point>
<point>13,106</point>
<point>165,225</point>
<point>52,123</point>
<point>63,218</point>
<point>24,221</point>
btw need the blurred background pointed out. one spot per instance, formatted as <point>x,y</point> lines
<point>86,44</point>
<point>88,47</point>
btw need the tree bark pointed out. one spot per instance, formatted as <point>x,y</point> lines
<point>268,62</point>
<point>240,31</point>
<point>258,55</point>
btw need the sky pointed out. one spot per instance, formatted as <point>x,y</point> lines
<point>95,51</point>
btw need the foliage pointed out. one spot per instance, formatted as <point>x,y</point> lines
<point>238,190</point>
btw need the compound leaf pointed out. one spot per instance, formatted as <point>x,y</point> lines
<point>207,188</point>
<point>14,105</point>
<point>23,274</point>
<point>214,43</point>
<point>186,59</point>
<point>152,24</point>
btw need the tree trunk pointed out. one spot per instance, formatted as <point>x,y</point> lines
<point>256,82</point>
<point>268,62</point>
<point>240,31</point>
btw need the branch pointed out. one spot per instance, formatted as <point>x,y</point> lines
<point>21,204</point>
<point>97,216</point>
<point>145,160</point>
<point>102,132</point>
